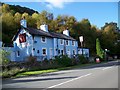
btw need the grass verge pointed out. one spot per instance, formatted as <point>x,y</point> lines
<point>30,73</point>
<point>38,72</point>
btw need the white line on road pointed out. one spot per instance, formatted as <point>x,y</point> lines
<point>68,81</point>
<point>106,68</point>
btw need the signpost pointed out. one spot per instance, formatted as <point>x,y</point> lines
<point>81,41</point>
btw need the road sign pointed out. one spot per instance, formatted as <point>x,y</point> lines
<point>81,38</point>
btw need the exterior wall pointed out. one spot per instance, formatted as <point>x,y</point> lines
<point>60,47</point>
<point>85,52</point>
<point>71,48</point>
<point>24,49</point>
<point>34,46</point>
<point>11,52</point>
<point>0,44</point>
<point>67,49</point>
<point>39,45</point>
<point>55,46</point>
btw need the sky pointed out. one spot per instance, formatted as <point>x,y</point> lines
<point>98,13</point>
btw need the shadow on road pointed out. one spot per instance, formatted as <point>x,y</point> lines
<point>108,64</point>
<point>113,63</point>
<point>31,80</point>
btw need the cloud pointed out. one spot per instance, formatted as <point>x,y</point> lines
<point>60,1</point>
<point>56,4</point>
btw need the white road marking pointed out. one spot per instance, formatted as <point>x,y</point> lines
<point>106,68</point>
<point>68,81</point>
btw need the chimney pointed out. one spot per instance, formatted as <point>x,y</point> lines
<point>23,22</point>
<point>44,27</point>
<point>66,32</point>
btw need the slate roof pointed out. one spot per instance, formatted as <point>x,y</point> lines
<point>39,32</point>
<point>61,36</point>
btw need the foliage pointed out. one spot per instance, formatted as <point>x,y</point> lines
<point>31,61</point>
<point>82,59</point>
<point>4,54</point>
<point>12,72</point>
<point>99,51</point>
<point>35,72</point>
<point>64,60</point>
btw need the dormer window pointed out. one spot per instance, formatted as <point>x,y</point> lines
<point>43,39</point>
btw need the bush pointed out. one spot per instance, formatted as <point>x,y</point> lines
<point>3,57</point>
<point>8,73</point>
<point>64,60</point>
<point>82,59</point>
<point>31,60</point>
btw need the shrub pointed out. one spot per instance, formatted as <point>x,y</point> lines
<point>8,73</point>
<point>82,59</point>
<point>31,60</point>
<point>3,57</point>
<point>64,60</point>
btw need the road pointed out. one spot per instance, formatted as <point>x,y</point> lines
<point>96,76</point>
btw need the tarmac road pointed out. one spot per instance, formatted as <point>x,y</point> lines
<point>96,76</point>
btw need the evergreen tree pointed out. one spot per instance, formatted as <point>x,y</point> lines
<point>99,50</point>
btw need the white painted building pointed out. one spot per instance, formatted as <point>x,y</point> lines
<point>42,44</point>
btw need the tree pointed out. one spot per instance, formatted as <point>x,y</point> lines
<point>8,26</point>
<point>4,54</point>
<point>17,18</point>
<point>5,8</point>
<point>99,51</point>
<point>109,37</point>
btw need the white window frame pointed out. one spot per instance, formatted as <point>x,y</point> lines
<point>73,43</point>
<point>42,39</point>
<point>66,42</point>
<point>62,42</point>
<point>74,51</point>
<point>68,52</point>
<point>17,53</point>
<point>61,51</point>
<point>42,52</point>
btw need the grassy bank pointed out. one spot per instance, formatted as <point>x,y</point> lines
<point>40,72</point>
<point>38,68</point>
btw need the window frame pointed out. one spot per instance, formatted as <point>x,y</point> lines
<point>61,40</point>
<point>38,51</point>
<point>18,53</point>
<point>74,52</point>
<point>46,51</point>
<point>66,43</point>
<point>42,39</point>
<point>73,43</point>
<point>62,52</point>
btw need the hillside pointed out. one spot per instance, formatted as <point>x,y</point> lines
<point>20,9</point>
